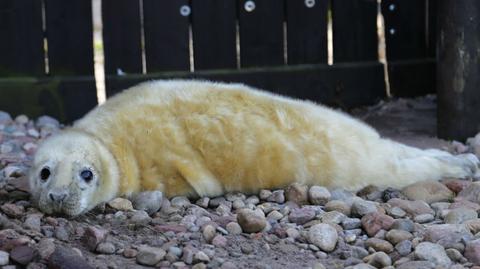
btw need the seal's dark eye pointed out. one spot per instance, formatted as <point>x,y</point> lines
<point>86,175</point>
<point>44,174</point>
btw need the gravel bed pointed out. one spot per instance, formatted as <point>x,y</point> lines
<point>425,225</point>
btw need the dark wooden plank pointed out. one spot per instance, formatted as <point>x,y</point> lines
<point>214,34</point>
<point>121,36</point>
<point>411,78</point>
<point>65,98</point>
<point>307,31</point>
<point>354,24</point>
<point>21,45</point>
<point>405,29</point>
<point>344,85</point>
<point>432,27</point>
<point>261,32</point>
<point>70,37</point>
<point>166,35</point>
<point>458,69</point>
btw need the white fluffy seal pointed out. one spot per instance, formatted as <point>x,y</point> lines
<point>203,139</point>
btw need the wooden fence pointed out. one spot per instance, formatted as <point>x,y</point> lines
<point>46,49</point>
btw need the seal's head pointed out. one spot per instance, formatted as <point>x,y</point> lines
<point>72,172</point>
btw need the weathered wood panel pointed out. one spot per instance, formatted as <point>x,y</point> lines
<point>354,24</point>
<point>214,34</point>
<point>458,69</point>
<point>70,37</point>
<point>307,31</point>
<point>166,35</point>
<point>21,38</point>
<point>261,32</point>
<point>122,36</point>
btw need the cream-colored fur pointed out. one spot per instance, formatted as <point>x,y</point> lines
<point>203,139</point>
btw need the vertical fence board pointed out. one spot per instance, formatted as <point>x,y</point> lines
<point>405,28</point>
<point>307,31</point>
<point>354,25</point>
<point>21,45</point>
<point>166,35</point>
<point>121,36</point>
<point>432,8</point>
<point>261,32</point>
<point>214,34</point>
<point>70,37</point>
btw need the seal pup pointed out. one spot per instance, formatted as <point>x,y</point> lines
<point>198,138</point>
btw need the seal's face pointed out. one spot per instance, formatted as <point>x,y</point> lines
<point>68,174</point>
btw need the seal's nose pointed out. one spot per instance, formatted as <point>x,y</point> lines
<point>58,196</point>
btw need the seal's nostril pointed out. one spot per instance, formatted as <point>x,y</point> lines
<point>57,197</point>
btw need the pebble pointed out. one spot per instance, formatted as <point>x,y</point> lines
<point>45,248</point>
<point>47,121</point>
<point>411,207</point>
<point>472,251</point>
<point>180,201</point>
<point>301,215</point>
<point>219,241</point>
<point>264,194</point>
<point>251,221</point>
<point>274,215</point>
<point>201,257</point>
<point>351,223</point>
<point>150,255</point>
<point>4,258</point>
<point>130,253</point>
<point>447,234</point>
<point>93,236</point>
<point>33,222</point>
<point>12,210</point>
<point>432,252</point>
<point>140,217</point>
<point>318,195</point>
<point>334,217</point>
<point>149,201</point>
<point>460,215</point>
<point>374,222</point>
<point>362,207</point>
<point>297,193</point>
<point>277,196</point>
<point>378,260</point>
<point>424,218</point>
<point>209,233</point>
<point>403,224</point>
<point>105,248</point>
<point>416,265</point>
<point>67,258</point>
<point>338,205</point>
<point>323,236</point>
<point>396,236</point>
<point>455,255</point>
<point>379,245</point>
<point>203,202</point>
<point>22,254</point>
<point>121,204</point>
<point>471,193</point>
<point>233,228</point>
<point>404,247</point>
<point>428,191</point>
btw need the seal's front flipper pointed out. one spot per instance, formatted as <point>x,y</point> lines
<point>200,178</point>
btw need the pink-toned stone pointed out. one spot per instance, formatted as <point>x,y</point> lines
<point>93,236</point>
<point>375,221</point>
<point>466,204</point>
<point>472,251</point>
<point>219,241</point>
<point>457,185</point>
<point>22,255</point>
<point>12,210</point>
<point>412,207</point>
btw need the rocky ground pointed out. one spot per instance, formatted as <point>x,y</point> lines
<point>426,225</point>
